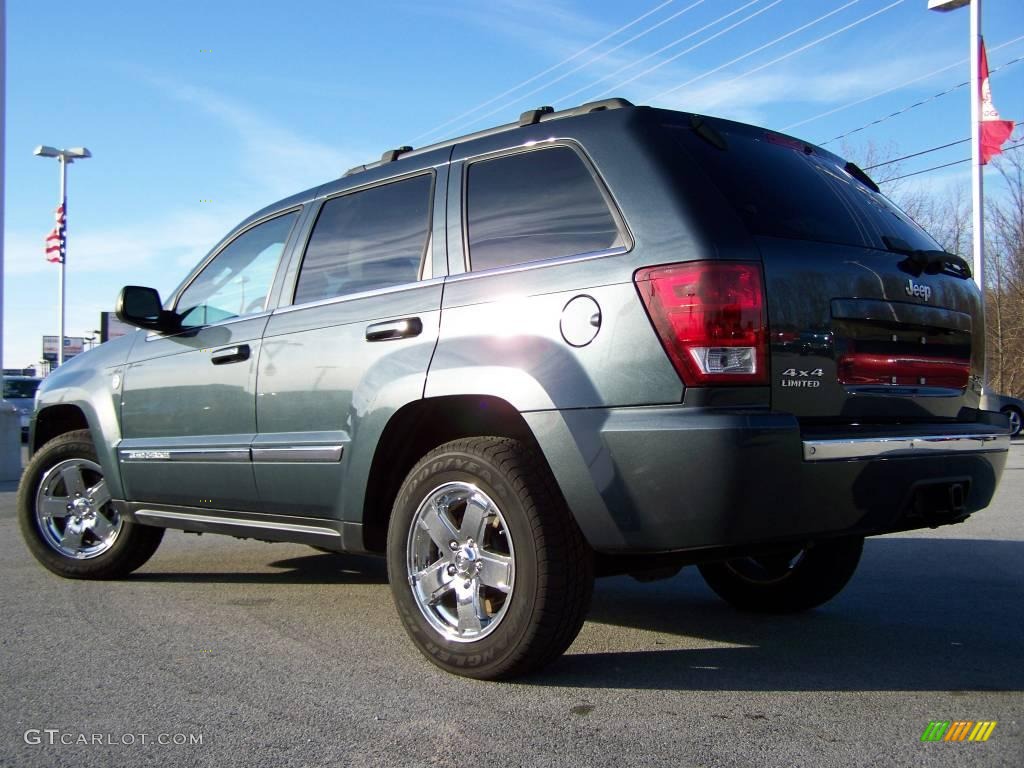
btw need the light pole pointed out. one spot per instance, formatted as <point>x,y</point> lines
<point>977,189</point>
<point>64,156</point>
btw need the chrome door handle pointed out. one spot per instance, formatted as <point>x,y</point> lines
<point>394,329</point>
<point>234,354</point>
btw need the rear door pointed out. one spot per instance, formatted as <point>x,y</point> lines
<point>868,323</point>
<point>351,342</point>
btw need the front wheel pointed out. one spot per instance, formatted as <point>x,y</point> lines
<point>490,574</point>
<point>785,582</point>
<point>67,519</point>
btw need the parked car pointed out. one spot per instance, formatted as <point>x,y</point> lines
<point>20,391</point>
<point>1011,407</point>
<point>610,339</point>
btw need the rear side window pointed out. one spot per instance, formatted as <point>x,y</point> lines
<point>367,240</point>
<point>535,205</point>
<point>782,187</point>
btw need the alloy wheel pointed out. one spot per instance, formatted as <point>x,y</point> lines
<point>460,562</point>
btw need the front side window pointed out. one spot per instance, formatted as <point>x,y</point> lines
<point>367,240</point>
<point>535,205</point>
<point>238,279</point>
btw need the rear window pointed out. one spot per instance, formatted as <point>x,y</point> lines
<point>782,187</point>
<point>535,205</point>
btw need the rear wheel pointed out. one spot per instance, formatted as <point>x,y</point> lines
<point>491,576</point>
<point>786,582</point>
<point>1015,418</point>
<point>67,518</point>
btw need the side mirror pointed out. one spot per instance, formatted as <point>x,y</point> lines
<point>141,307</point>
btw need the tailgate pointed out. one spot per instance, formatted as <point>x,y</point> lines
<point>855,337</point>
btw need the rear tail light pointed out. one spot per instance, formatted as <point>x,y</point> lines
<point>710,317</point>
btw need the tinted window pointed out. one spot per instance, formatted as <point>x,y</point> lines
<point>20,388</point>
<point>785,188</point>
<point>535,205</point>
<point>367,240</point>
<point>238,279</point>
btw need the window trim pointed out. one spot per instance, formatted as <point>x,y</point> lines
<point>426,250</point>
<point>296,209</point>
<point>625,234</point>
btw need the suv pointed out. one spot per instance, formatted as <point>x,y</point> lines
<point>610,339</point>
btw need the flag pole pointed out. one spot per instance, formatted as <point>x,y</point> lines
<point>63,161</point>
<point>977,183</point>
<point>977,190</point>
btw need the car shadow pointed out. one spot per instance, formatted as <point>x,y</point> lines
<point>920,615</point>
<point>319,568</point>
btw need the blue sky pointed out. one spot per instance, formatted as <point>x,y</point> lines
<point>288,97</point>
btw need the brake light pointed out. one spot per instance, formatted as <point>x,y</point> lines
<point>710,317</point>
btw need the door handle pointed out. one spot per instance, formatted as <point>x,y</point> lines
<point>234,354</point>
<point>394,329</point>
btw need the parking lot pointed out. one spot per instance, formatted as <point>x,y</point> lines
<point>281,655</point>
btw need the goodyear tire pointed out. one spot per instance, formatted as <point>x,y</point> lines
<point>490,574</point>
<point>788,582</point>
<point>66,517</point>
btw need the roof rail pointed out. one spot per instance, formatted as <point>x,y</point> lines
<point>530,117</point>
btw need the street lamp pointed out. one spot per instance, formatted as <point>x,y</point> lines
<point>64,156</point>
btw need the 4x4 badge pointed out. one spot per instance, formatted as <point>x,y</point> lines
<point>795,377</point>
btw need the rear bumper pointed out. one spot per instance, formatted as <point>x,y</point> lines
<point>674,478</point>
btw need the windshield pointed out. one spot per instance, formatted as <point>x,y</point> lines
<point>783,187</point>
<point>20,388</point>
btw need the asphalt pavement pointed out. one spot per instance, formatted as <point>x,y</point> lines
<point>236,653</point>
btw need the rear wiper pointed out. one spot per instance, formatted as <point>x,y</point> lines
<point>931,262</point>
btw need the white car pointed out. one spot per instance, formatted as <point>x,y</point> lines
<point>20,391</point>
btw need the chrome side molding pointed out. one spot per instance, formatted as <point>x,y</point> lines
<point>874,447</point>
<point>299,453</point>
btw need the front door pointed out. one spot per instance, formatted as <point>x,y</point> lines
<point>188,402</point>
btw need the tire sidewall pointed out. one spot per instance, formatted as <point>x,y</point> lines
<point>493,649</point>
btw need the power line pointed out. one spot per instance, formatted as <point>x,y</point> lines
<point>812,43</point>
<point>925,151</point>
<point>587,63</point>
<point>695,46</point>
<point>663,48</point>
<point>920,103</point>
<point>748,54</point>
<point>916,154</point>
<point>894,88</point>
<point>946,165</point>
<point>539,75</point>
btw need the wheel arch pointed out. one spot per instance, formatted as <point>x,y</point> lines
<point>415,429</point>
<point>55,419</point>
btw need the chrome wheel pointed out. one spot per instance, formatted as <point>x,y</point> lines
<point>460,562</point>
<point>766,569</point>
<point>73,510</point>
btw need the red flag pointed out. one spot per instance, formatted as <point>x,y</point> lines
<point>994,131</point>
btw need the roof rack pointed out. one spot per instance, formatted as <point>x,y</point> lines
<point>530,117</point>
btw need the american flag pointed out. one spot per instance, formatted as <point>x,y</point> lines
<point>57,241</point>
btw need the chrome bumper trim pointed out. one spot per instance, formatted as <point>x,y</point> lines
<point>876,447</point>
